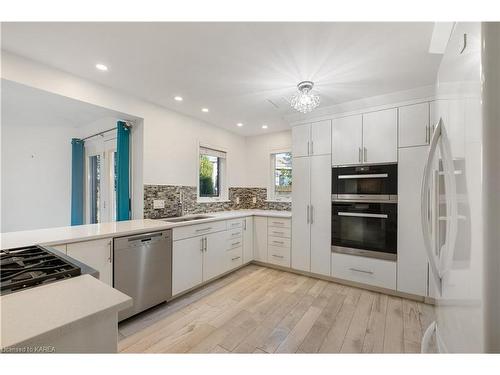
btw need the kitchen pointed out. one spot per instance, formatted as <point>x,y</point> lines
<point>160,205</point>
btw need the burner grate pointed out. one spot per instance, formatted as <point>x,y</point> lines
<point>31,266</point>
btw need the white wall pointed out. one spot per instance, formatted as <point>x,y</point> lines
<point>170,149</point>
<point>258,154</point>
<point>34,196</point>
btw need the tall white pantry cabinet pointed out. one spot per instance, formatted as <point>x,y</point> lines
<point>311,198</point>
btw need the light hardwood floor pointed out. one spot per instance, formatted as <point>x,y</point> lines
<point>263,310</point>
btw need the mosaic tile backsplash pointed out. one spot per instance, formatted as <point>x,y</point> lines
<point>172,194</point>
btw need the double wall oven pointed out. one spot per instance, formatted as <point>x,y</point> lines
<point>364,210</point>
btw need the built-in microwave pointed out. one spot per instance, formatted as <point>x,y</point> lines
<point>365,182</point>
<point>365,228</point>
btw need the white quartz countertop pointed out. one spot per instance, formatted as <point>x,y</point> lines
<point>61,235</point>
<point>30,313</point>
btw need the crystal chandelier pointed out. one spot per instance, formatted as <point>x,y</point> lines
<point>305,101</point>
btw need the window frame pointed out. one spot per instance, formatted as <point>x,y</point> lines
<point>221,175</point>
<point>271,192</point>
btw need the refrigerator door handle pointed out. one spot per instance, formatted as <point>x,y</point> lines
<point>424,200</point>
<point>426,338</point>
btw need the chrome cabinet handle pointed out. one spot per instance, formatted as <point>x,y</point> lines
<point>110,252</point>
<point>362,271</point>
<point>308,153</point>
<point>307,210</point>
<point>202,244</point>
<point>365,153</point>
<point>312,214</point>
<point>274,232</point>
<point>359,154</point>
<point>203,229</point>
<point>235,243</point>
<point>278,242</point>
<point>245,224</point>
<point>312,147</point>
<point>234,225</point>
<point>235,258</point>
<point>278,222</point>
<point>206,246</point>
<point>278,256</point>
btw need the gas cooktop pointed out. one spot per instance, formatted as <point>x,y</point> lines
<point>27,267</point>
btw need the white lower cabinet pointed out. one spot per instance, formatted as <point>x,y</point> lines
<point>214,257</point>
<point>376,272</point>
<point>248,252</point>
<point>97,254</point>
<point>187,264</point>
<point>260,238</point>
<point>412,258</point>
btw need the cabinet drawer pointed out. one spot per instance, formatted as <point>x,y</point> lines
<point>234,233</point>
<point>376,272</point>
<point>234,242</point>
<point>279,256</point>
<point>278,241</point>
<point>280,232</point>
<point>236,223</point>
<point>234,258</point>
<point>278,222</point>
<point>198,229</point>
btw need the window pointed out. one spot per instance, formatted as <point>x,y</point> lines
<point>211,183</point>
<point>281,187</point>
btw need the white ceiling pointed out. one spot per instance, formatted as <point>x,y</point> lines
<point>235,69</point>
<point>26,105</point>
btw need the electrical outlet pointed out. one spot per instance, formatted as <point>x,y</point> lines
<point>237,200</point>
<point>254,200</point>
<point>158,203</point>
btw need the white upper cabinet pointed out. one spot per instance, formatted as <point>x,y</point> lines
<point>312,139</point>
<point>300,140</point>
<point>321,135</point>
<point>347,140</point>
<point>380,136</point>
<point>414,127</point>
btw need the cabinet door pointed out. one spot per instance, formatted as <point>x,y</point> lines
<point>380,136</point>
<point>260,238</point>
<point>412,258</point>
<point>347,136</point>
<point>321,138</point>
<point>301,136</point>
<point>97,254</point>
<point>414,125</point>
<point>321,214</point>
<point>248,240</point>
<point>301,198</point>
<point>214,258</point>
<point>187,264</point>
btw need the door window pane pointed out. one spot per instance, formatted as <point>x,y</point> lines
<point>94,187</point>
<point>282,174</point>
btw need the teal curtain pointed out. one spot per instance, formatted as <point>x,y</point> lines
<point>123,172</point>
<point>77,168</point>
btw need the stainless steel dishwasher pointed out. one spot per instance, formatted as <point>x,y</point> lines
<point>142,269</point>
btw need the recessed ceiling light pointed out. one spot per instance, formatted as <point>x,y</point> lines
<point>178,98</point>
<point>102,67</point>
<point>204,110</point>
<point>239,124</point>
<point>264,126</point>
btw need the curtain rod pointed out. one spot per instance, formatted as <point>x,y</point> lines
<point>128,124</point>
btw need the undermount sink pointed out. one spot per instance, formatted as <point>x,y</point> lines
<point>186,218</point>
